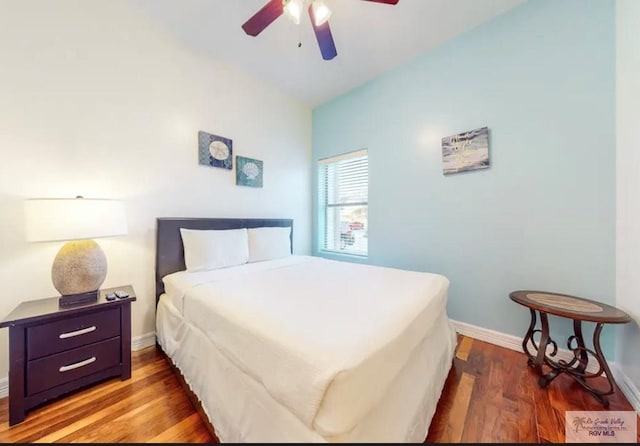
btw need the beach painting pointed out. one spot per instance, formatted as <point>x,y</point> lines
<point>465,151</point>
<point>214,150</point>
<point>249,172</point>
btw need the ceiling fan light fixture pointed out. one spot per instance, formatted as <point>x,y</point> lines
<point>293,9</point>
<point>321,12</point>
<point>318,13</point>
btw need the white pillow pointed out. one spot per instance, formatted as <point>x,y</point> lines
<point>212,249</point>
<point>269,243</point>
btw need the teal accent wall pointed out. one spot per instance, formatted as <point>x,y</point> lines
<point>542,78</point>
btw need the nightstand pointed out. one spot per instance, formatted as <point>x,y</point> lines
<point>55,350</point>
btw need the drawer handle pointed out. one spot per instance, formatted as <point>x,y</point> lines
<point>66,368</point>
<point>77,332</point>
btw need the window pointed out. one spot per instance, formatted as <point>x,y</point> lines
<point>344,203</point>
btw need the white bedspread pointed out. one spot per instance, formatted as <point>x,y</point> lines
<point>325,338</point>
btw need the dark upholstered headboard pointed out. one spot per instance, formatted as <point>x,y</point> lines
<point>169,249</point>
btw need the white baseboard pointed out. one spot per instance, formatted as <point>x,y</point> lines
<point>137,343</point>
<point>507,341</point>
<point>626,386</point>
<point>143,341</point>
<point>492,337</point>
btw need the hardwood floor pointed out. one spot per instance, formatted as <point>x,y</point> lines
<point>490,396</point>
<point>149,407</point>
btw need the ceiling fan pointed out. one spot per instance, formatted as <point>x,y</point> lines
<point>318,13</point>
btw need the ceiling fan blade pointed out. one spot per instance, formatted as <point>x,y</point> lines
<point>388,2</point>
<point>325,39</point>
<point>263,18</point>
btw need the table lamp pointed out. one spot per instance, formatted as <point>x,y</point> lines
<point>80,266</point>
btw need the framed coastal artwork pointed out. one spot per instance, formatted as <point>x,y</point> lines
<point>248,172</point>
<point>466,151</point>
<point>214,150</point>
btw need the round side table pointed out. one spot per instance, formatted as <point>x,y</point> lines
<point>578,309</point>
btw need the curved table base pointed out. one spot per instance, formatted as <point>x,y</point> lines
<point>538,355</point>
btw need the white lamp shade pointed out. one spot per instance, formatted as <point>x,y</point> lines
<point>51,219</point>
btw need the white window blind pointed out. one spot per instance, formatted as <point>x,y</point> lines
<point>344,200</point>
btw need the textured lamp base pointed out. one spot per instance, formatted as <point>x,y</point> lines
<point>79,269</point>
<point>76,299</point>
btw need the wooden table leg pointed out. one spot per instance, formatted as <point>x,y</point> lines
<point>580,375</point>
<point>580,351</point>
<point>542,347</point>
<point>125,337</point>
<point>528,337</point>
<point>17,410</point>
<point>579,372</point>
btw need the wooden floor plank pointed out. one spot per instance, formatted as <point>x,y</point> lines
<point>464,346</point>
<point>61,413</point>
<point>496,417</point>
<point>123,405</point>
<point>490,395</point>
<point>441,417</point>
<point>523,394</point>
<point>112,388</point>
<point>186,431</point>
<point>458,413</point>
<point>47,420</point>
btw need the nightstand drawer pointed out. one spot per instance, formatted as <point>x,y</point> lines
<point>45,373</point>
<point>54,337</point>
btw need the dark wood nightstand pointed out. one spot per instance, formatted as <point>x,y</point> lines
<point>55,350</point>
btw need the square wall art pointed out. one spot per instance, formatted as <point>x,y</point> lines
<point>466,151</point>
<point>248,172</point>
<point>214,150</point>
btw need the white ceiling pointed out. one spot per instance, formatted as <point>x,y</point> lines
<point>371,38</point>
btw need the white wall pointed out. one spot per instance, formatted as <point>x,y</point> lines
<point>99,101</point>
<point>628,186</point>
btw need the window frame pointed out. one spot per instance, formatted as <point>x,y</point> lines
<point>325,204</point>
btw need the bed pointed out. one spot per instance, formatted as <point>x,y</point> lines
<point>299,348</point>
